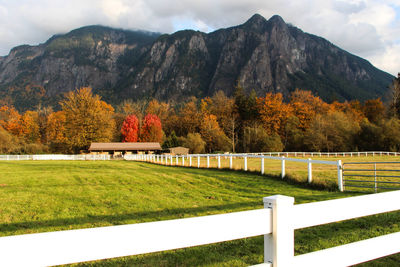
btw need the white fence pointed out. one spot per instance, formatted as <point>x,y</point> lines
<point>331,154</point>
<point>169,160</point>
<point>55,157</point>
<point>277,222</point>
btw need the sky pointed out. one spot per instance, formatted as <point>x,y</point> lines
<point>366,28</point>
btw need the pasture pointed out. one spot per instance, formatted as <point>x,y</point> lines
<point>42,196</point>
<point>324,176</point>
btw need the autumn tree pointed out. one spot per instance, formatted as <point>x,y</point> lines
<point>195,143</point>
<point>130,129</point>
<point>212,134</point>
<point>189,118</point>
<point>30,127</point>
<point>374,110</point>
<point>10,120</point>
<point>304,105</point>
<point>128,107</point>
<point>273,113</point>
<point>352,109</point>
<point>9,144</point>
<point>55,131</point>
<point>256,139</point>
<point>151,130</point>
<point>293,138</point>
<point>335,131</point>
<point>307,97</point>
<point>43,113</point>
<point>370,137</point>
<point>119,119</point>
<point>391,135</point>
<point>88,119</point>
<point>225,110</point>
<point>246,106</point>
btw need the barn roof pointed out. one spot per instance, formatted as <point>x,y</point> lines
<point>124,146</point>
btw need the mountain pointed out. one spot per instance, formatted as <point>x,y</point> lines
<point>262,55</point>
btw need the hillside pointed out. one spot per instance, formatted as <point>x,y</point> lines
<point>264,55</point>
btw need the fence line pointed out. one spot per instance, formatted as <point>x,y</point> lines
<point>277,222</point>
<point>367,175</point>
<point>55,157</point>
<point>331,154</point>
<point>168,160</point>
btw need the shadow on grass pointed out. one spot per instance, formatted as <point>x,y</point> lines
<point>315,185</point>
<point>117,219</point>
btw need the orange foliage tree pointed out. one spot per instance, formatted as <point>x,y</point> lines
<point>56,127</point>
<point>130,129</point>
<point>305,105</point>
<point>273,112</point>
<point>151,130</point>
<point>189,118</point>
<point>10,119</point>
<point>30,127</point>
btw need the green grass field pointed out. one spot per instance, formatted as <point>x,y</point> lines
<point>42,196</point>
<point>323,175</point>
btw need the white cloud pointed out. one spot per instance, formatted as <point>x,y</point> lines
<point>368,28</point>
<point>389,59</point>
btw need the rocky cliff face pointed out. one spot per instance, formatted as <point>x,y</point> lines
<point>264,55</point>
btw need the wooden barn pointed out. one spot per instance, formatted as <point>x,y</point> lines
<point>125,148</point>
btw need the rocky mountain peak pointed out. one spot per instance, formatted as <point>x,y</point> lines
<point>276,19</point>
<point>256,19</point>
<point>264,55</point>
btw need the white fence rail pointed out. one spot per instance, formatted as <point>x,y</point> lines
<point>55,157</point>
<point>331,154</point>
<point>169,160</point>
<point>277,222</point>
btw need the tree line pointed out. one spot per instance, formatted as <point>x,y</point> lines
<point>241,123</point>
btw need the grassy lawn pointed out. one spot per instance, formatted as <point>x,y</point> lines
<point>41,196</point>
<point>325,175</point>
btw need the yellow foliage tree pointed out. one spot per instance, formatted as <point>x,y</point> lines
<point>88,119</point>
<point>213,135</point>
<point>30,127</point>
<point>56,128</point>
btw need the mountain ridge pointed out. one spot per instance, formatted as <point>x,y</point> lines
<point>260,54</point>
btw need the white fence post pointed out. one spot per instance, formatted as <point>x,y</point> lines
<point>230,162</point>
<point>177,160</point>
<point>183,160</point>
<point>279,247</point>
<point>245,163</point>
<point>309,171</point>
<point>340,175</point>
<point>219,162</point>
<point>262,165</point>
<point>208,161</point>
<point>190,160</point>
<point>198,161</point>
<point>171,158</point>
<point>283,174</point>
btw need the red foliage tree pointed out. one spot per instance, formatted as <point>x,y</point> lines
<point>151,130</point>
<point>130,129</point>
